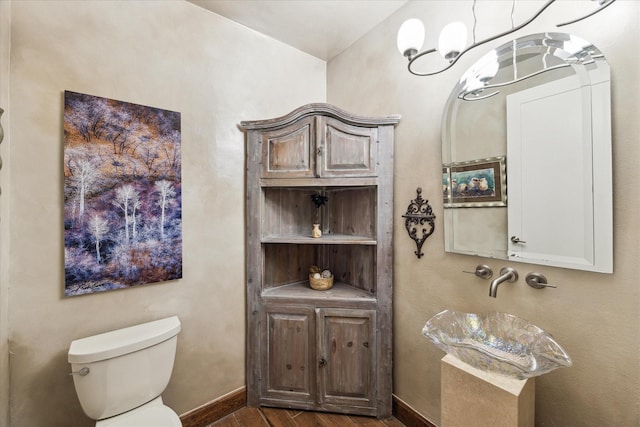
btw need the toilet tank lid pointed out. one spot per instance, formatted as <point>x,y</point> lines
<point>123,341</point>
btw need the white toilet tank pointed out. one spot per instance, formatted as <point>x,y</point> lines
<point>127,367</point>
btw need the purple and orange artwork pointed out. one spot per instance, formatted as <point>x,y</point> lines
<point>122,194</point>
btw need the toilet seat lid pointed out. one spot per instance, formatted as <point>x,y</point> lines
<point>152,416</point>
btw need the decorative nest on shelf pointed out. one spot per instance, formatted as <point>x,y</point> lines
<point>320,280</point>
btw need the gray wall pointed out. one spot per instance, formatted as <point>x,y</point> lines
<point>166,54</point>
<point>593,316</point>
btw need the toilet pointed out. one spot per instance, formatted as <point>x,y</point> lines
<point>120,375</point>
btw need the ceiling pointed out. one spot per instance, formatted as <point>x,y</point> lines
<point>322,28</point>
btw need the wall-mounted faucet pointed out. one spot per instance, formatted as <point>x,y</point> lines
<point>538,281</point>
<point>507,274</point>
<point>482,271</point>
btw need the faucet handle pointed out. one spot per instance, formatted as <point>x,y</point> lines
<point>538,281</point>
<point>482,271</point>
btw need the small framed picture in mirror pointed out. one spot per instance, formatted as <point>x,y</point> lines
<point>475,183</point>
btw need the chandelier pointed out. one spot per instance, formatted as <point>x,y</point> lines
<point>453,37</point>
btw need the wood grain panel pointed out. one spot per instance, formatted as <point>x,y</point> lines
<point>288,212</point>
<point>409,416</point>
<point>352,211</point>
<point>347,342</point>
<point>289,153</point>
<point>354,265</point>
<point>346,150</point>
<point>278,418</point>
<point>290,362</point>
<point>215,410</point>
<point>216,414</point>
<point>286,264</point>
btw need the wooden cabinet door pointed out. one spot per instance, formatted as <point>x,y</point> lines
<point>346,343</point>
<point>289,152</point>
<point>289,364</point>
<point>345,150</point>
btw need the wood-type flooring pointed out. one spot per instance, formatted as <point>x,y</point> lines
<point>273,417</point>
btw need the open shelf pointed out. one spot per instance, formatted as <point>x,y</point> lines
<point>289,263</point>
<point>348,211</point>
<point>326,239</point>
<point>302,291</point>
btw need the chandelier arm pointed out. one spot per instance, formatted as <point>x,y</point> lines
<point>528,76</point>
<point>423,53</point>
<point>588,15</point>
<point>463,95</point>
<point>497,36</point>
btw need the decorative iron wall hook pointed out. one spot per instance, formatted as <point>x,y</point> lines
<point>418,214</point>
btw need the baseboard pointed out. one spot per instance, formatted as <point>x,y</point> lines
<point>409,416</point>
<point>237,399</point>
<point>216,409</point>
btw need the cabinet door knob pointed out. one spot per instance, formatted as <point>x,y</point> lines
<point>322,363</point>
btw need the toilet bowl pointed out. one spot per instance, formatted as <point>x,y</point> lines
<point>119,376</point>
<point>152,414</point>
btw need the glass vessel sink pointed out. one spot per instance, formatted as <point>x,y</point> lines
<point>496,342</point>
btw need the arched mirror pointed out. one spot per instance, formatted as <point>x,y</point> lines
<point>526,146</point>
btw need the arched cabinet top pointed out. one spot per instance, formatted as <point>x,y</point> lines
<point>319,109</point>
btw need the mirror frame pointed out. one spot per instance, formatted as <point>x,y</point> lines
<point>581,59</point>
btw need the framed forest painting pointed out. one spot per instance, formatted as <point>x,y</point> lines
<point>122,194</point>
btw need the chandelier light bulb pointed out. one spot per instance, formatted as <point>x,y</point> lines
<point>410,37</point>
<point>474,86</point>
<point>452,40</point>
<point>488,72</point>
<point>575,45</point>
<point>489,66</point>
